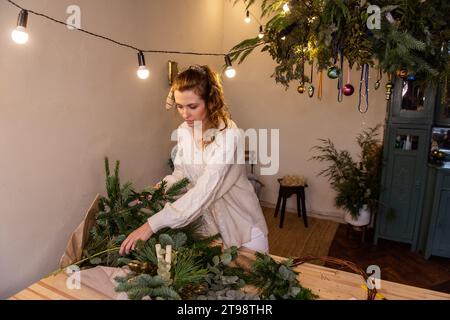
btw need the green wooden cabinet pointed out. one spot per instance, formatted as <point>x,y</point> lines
<point>443,109</point>
<point>437,229</point>
<point>405,156</point>
<point>412,103</point>
<point>404,177</point>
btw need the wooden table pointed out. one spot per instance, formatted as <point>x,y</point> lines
<point>329,284</point>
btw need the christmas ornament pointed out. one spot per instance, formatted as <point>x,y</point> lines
<point>311,87</point>
<point>389,87</point>
<point>301,88</point>
<point>377,85</point>
<point>411,77</point>
<point>379,76</point>
<point>311,91</point>
<point>333,72</point>
<point>348,90</point>
<point>402,73</point>
<point>364,78</point>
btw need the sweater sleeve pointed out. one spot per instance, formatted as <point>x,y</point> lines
<point>178,172</point>
<point>191,205</point>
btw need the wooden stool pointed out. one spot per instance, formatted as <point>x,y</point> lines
<point>284,193</point>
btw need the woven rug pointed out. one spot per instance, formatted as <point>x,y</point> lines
<point>294,240</point>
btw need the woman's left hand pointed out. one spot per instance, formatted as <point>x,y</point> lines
<point>143,233</point>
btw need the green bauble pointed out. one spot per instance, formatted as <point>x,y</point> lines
<point>333,72</point>
<point>311,91</point>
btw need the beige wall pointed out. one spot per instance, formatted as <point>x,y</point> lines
<point>67,100</point>
<point>257,102</point>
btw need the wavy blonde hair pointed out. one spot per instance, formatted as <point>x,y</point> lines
<point>206,84</point>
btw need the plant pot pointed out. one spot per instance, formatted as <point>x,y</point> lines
<point>363,218</point>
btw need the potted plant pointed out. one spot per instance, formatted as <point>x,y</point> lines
<point>357,183</point>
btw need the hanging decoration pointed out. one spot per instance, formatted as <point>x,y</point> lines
<point>333,72</point>
<point>379,77</point>
<point>301,88</point>
<point>348,89</point>
<point>364,80</point>
<point>320,86</point>
<point>340,78</point>
<point>311,87</point>
<point>389,87</point>
<point>410,36</point>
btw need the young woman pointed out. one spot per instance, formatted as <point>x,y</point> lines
<point>220,193</point>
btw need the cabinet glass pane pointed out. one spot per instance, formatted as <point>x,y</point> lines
<point>406,142</point>
<point>413,98</point>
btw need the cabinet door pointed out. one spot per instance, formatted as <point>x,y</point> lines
<point>443,109</point>
<point>441,241</point>
<point>404,183</point>
<point>412,102</point>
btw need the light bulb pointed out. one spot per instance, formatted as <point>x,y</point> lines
<point>143,73</point>
<point>283,38</point>
<point>230,72</point>
<point>19,35</point>
<point>261,32</point>
<point>247,17</point>
<point>286,8</point>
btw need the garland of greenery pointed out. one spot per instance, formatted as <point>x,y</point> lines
<point>414,36</point>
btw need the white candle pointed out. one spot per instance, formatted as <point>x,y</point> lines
<point>158,251</point>
<point>169,253</point>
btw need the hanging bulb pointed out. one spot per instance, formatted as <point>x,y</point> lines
<point>20,35</point>
<point>261,32</point>
<point>283,38</point>
<point>230,72</point>
<point>247,17</point>
<point>286,8</point>
<point>143,73</point>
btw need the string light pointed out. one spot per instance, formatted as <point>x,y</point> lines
<point>261,32</point>
<point>230,72</point>
<point>247,17</point>
<point>286,8</point>
<point>142,72</point>
<point>19,34</point>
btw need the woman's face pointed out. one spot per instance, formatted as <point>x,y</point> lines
<point>190,106</point>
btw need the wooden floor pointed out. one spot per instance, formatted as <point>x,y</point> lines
<point>396,261</point>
